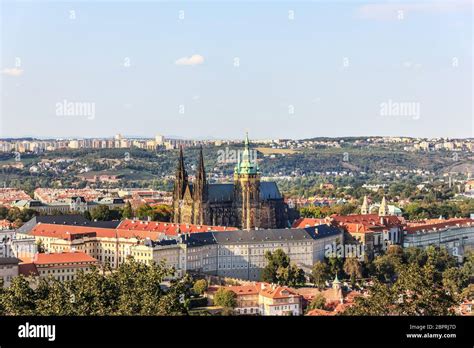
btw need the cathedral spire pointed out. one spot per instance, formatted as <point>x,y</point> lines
<point>181,169</point>
<point>383,210</point>
<point>181,176</point>
<point>245,163</point>
<point>364,210</point>
<point>200,189</point>
<point>201,169</point>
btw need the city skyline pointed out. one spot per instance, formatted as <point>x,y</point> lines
<point>215,70</point>
<point>231,139</point>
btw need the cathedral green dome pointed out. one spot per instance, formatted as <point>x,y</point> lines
<point>246,164</point>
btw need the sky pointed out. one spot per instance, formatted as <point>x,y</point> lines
<point>216,69</point>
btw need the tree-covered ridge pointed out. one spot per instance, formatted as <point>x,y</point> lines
<point>138,167</point>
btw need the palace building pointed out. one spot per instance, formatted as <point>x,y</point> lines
<point>247,203</point>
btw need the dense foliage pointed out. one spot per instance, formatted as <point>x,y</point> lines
<point>133,289</point>
<point>415,282</point>
<point>279,270</point>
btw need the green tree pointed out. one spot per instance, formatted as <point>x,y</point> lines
<point>353,268</point>
<point>176,300</point>
<point>144,211</point>
<point>225,298</point>
<point>275,260</point>
<point>86,214</point>
<point>162,212</point>
<point>19,298</point>
<point>127,212</point>
<point>415,292</point>
<point>320,273</point>
<point>280,270</point>
<point>40,246</point>
<point>386,267</point>
<point>53,297</point>
<point>95,293</point>
<point>378,302</point>
<point>335,266</point>
<point>290,276</point>
<point>454,280</point>
<point>318,302</point>
<point>418,292</point>
<point>200,286</point>
<point>101,213</point>
<point>468,292</point>
<point>139,287</point>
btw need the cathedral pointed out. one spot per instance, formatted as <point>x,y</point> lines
<point>247,203</point>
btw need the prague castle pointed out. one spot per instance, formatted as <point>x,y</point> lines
<point>247,203</point>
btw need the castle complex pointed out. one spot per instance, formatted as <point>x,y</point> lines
<point>247,203</point>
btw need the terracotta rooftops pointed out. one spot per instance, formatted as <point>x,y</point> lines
<point>414,227</point>
<point>66,257</point>
<point>169,228</point>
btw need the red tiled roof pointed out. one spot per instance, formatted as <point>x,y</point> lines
<point>320,312</point>
<point>127,229</point>
<point>27,269</point>
<point>66,257</point>
<point>305,222</point>
<point>331,294</point>
<point>264,289</point>
<point>368,219</point>
<point>362,228</point>
<point>5,223</point>
<point>244,289</point>
<point>415,227</point>
<point>169,228</point>
<point>68,232</point>
<point>278,292</point>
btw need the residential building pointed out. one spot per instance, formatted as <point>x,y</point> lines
<point>263,299</point>
<point>8,269</point>
<point>371,230</point>
<point>456,235</point>
<point>218,251</point>
<point>71,204</point>
<point>61,266</point>
<point>241,254</point>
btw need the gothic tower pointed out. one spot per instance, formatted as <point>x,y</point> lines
<point>181,191</point>
<point>200,192</point>
<point>247,188</point>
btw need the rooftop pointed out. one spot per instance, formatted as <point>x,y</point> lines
<point>65,257</point>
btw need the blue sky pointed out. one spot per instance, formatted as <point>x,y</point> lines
<point>323,69</point>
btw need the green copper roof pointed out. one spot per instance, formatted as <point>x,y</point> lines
<point>246,164</point>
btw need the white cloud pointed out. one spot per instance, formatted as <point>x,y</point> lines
<point>195,59</point>
<point>12,71</point>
